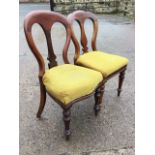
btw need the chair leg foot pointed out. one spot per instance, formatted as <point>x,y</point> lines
<point>98,99</point>
<point>120,83</point>
<point>67,118</point>
<point>42,100</point>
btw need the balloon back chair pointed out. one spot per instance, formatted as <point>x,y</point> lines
<point>108,64</point>
<point>67,83</point>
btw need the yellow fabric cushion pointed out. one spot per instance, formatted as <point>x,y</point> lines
<point>68,82</point>
<point>102,62</point>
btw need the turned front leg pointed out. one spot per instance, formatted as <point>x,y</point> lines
<point>121,79</point>
<point>67,118</point>
<point>98,99</point>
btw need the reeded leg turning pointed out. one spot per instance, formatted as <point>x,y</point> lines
<point>98,99</point>
<point>120,83</point>
<point>67,118</point>
<point>42,99</point>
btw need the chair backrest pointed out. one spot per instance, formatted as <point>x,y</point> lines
<point>80,16</point>
<point>46,19</point>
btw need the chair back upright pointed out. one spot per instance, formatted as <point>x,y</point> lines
<point>80,16</point>
<point>46,19</point>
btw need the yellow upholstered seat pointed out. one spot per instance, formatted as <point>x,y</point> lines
<point>68,82</point>
<point>102,62</point>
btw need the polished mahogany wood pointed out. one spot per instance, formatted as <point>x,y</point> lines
<point>46,19</point>
<point>42,98</point>
<point>121,79</point>
<point>67,118</point>
<point>80,16</point>
<point>98,99</point>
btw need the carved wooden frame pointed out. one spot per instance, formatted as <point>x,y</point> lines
<point>46,19</point>
<point>80,16</point>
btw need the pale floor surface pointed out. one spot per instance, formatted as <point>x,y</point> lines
<point>112,132</point>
